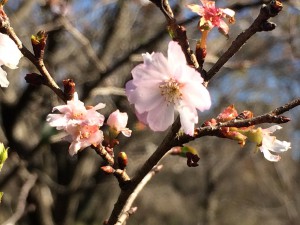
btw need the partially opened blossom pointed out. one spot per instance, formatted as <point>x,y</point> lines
<point>270,143</point>
<point>9,56</point>
<point>211,16</point>
<point>80,123</point>
<point>118,121</point>
<point>163,86</point>
<point>267,143</point>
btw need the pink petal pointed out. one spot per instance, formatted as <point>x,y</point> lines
<point>223,27</point>
<point>126,132</point>
<point>228,12</point>
<point>175,54</point>
<point>57,120</point>
<point>10,54</point>
<point>142,117</point>
<point>272,129</point>
<point>99,106</point>
<point>160,118</point>
<point>198,97</point>
<point>196,9</point>
<point>158,63</point>
<point>269,156</point>
<point>146,99</point>
<point>188,119</point>
<point>62,108</point>
<point>74,148</point>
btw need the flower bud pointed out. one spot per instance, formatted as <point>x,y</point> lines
<point>35,79</point>
<point>107,169</point>
<point>38,42</point>
<point>69,88</point>
<point>228,114</point>
<point>122,160</point>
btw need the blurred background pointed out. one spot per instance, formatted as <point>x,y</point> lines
<point>97,43</point>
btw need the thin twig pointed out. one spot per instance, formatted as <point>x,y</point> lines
<point>21,206</point>
<point>38,63</point>
<point>124,215</point>
<point>266,12</point>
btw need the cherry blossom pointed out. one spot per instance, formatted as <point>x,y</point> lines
<point>164,86</point>
<point>211,16</point>
<point>79,122</point>
<point>270,143</point>
<point>9,56</point>
<point>118,121</point>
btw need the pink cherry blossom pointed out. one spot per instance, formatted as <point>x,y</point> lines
<point>9,56</point>
<point>118,122</point>
<point>211,16</point>
<point>270,143</point>
<point>81,124</point>
<point>164,86</point>
<point>82,136</point>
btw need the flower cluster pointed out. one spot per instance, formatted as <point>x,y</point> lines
<point>82,124</point>
<point>9,56</point>
<point>161,87</point>
<point>211,16</point>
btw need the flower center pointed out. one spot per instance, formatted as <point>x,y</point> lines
<point>170,89</point>
<point>87,131</point>
<point>77,115</point>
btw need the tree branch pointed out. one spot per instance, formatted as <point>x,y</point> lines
<point>171,141</point>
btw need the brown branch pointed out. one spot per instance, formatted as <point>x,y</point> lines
<point>260,24</point>
<point>5,28</point>
<point>126,209</point>
<point>171,141</point>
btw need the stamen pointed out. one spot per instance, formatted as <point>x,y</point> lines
<point>170,89</point>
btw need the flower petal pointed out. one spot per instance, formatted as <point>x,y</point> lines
<point>3,78</point>
<point>188,119</point>
<point>175,54</point>
<point>268,155</point>
<point>160,118</point>
<point>272,129</point>
<point>196,9</point>
<point>10,54</point>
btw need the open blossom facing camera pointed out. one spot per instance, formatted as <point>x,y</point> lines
<point>211,16</point>
<point>81,124</point>
<point>270,143</point>
<point>161,87</point>
<point>9,56</point>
